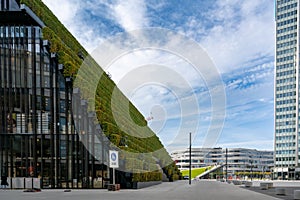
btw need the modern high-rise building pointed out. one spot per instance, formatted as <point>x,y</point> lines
<point>286,145</point>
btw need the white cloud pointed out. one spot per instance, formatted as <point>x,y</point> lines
<point>240,35</point>
<point>131,14</point>
<point>243,31</point>
<point>65,11</point>
<point>68,12</point>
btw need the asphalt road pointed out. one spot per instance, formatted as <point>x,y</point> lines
<point>180,190</point>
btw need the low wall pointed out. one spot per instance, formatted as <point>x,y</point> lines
<point>24,183</point>
<point>139,185</point>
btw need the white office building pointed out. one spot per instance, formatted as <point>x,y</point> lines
<point>286,100</point>
<point>239,160</point>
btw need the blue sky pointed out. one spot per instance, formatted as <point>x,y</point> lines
<point>238,35</point>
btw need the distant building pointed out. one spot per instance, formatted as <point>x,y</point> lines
<point>239,160</point>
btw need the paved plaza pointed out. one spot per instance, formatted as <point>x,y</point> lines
<point>180,190</point>
<point>289,187</point>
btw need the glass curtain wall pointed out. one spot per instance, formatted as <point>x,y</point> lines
<point>37,133</point>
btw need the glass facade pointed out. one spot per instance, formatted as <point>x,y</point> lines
<point>286,145</point>
<point>37,133</point>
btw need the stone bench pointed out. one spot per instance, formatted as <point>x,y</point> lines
<point>280,191</point>
<point>270,184</point>
<point>248,184</point>
<point>264,186</point>
<point>296,194</point>
<point>237,182</point>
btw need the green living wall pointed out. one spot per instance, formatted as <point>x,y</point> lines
<point>67,47</point>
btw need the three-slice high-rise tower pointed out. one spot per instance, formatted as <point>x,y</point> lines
<point>286,100</point>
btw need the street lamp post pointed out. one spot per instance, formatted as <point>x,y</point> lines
<point>244,169</point>
<point>263,174</point>
<point>251,169</point>
<point>190,155</point>
<point>226,164</point>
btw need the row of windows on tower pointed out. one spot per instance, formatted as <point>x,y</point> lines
<point>285,152</point>
<point>286,51</point>
<point>286,159</point>
<point>289,21</point>
<point>286,94</point>
<point>287,58</point>
<point>286,123</point>
<point>285,66</point>
<point>280,2</point>
<point>285,80</point>
<point>284,37</point>
<point>290,28</point>
<point>284,102</point>
<point>286,87</point>
<point>294,12</point>
<point>286,116</point>
<point>291,144</point>
<point>284,8</point>
<point>285,137</point>
<point>290,108</point>
<point>286,44</point>
<point>285,73</point>
<point>286,130</point>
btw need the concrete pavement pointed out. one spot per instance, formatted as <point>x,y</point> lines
<point>180,190</point>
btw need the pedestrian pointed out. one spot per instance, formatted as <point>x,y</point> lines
<point>4,182</point>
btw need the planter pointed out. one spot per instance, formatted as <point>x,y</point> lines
<point>113,187</point>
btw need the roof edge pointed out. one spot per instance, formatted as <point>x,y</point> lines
<point>32,15</point>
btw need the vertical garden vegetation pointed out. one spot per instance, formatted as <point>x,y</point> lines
<point>67,47</point>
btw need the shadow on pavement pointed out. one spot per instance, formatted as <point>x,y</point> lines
<point>289,191</point>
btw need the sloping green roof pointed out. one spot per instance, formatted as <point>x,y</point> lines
<point>67,48</point>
